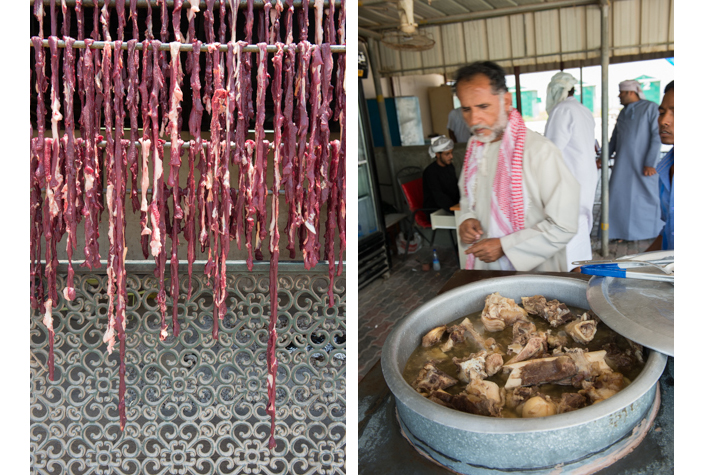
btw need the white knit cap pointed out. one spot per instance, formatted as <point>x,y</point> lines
<point>558,89</point>
<point>631,85</point>
<point>440,144</point>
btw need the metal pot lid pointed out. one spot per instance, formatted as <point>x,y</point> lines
<point>640,310</point>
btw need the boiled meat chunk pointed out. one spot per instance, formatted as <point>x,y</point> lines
<point>555,312</point>
<point>488,344</point>
<point>431,378</point>
<point>433,336</point>
<point>471,403</point>
<point>456,335</point>
<point>583,329</point>
<point>478,365</point>
<point>571,402</point>
<point>522,332</point>
<point>535,348</point>
<point>500,312</point>
<point>539,407</point>
<point>534,305</point>
<point>485,389</point>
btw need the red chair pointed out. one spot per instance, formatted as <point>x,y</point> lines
<point>410,180</point>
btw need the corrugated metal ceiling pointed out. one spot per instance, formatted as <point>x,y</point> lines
<point>546,36</point>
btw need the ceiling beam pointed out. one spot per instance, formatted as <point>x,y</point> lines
<point>498,12</point>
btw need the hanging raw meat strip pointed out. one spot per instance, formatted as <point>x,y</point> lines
<point>246,189</point>
<point>209,32</point>
<point>217,218</point>
<point>39,14</point>
<point>260,162</point>
<point>92,169</point>
<point>70,216</point>
<point>132,98</point>
<point>145,87</point>
<point>311,196</point>
<point>177,9</point>
<point>133,15</point>
<point>289,22</point>
<point>157,207</point>
<point>249,21</point>
<point>121,11</point>
<point>194,125</point>
<point>106,21</point>
<point>340,117</point>
<point>332,219</point>
<point>303,21</point>
<point>275,29</point>
<point>272,362</point>
<point>53,172</point>
<point>241,126</point>
<point>289,146</point>
<point>119,175</point>
<point>36,287</point>
<point>38,153</point>
<point>319,21</point>
<point>191,13</point>
<point>173,176</point>
<point>322,187</point>
<point>301,95</point>
<point>189,226</point>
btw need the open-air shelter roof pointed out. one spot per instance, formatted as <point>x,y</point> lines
<point>534,35</point>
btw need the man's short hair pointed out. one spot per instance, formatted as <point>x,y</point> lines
<point>491,70</point>
<point>669,87</point>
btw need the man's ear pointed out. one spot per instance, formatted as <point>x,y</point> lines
<point>508,101</point>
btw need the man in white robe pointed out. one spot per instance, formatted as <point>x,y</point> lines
<point>570,126</point>
<point>519,201</point>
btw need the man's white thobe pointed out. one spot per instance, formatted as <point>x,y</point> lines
<point>551,196</point>
<point>571,127</point>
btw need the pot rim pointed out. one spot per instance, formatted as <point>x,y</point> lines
<point>453,418</point>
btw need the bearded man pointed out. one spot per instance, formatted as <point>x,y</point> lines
<point>634,209</point>
<point>519,201</point>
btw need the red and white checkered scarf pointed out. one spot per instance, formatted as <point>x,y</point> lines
<point>507,204</point>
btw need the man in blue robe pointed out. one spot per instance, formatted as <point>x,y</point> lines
<point>666,240</point>
<point>634,208</point>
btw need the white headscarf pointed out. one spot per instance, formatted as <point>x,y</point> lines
<point>440,144</point>
<point>631,85</point>
<point>558,89</point>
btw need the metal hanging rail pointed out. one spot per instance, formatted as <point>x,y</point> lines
<point>166,46</point>
<point>258,4</point>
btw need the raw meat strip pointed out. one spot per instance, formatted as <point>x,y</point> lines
<point>132,105</point>
<point>70,216</point>
<point>272,363</point>
<point>173,177</point>
<point>332,218</point>
<point>260,162</point>
<point>145,87</point>
<point>133,15</point>
<point>194,9</point>
<point>176,21</point>
<point>121,11</point>
<point>91,164</point>
<point>275,29</point>
<point>289,146</point>
<point>157,207</point>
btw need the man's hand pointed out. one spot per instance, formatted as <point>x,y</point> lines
<point>470,231</point>
<point>649,171</point>
<point>487,250</point>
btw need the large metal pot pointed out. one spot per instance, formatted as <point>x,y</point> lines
<point>472,444</point>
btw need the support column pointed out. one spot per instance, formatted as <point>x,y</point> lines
<point>374,56</point>
<point>604,221</point>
